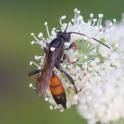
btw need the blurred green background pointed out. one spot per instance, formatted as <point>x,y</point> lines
<point>18,103</point>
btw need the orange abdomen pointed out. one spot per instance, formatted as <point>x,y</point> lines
<point>56,87</point>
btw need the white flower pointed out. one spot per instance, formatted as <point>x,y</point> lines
<point>102,97</point>
<point>96,70</point>
<point>116,35</point>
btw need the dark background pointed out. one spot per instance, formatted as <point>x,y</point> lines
<point>18,103</point>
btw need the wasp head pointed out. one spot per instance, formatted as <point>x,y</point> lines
<point>66,36</point>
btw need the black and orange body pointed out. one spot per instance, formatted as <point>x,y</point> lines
<point>57,90</point>
<point>54,56</point>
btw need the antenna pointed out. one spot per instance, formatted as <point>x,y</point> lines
<point>90,38</point>
<point>66,28</point>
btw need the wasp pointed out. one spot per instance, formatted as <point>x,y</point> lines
<point>54,56</point>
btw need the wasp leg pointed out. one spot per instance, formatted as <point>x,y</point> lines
<point>34,72</point>
<point>68,76</point>
<point>66,57</point>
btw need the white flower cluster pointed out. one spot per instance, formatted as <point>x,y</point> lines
<point>102,97</point>
<point>98,73</point>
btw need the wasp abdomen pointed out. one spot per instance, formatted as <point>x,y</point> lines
<point>57,91</point>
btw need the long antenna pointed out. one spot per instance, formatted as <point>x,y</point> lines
<point>90,38</point>
<point>66,28</point>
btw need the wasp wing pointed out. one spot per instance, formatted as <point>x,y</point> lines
<point>51,59</point>
<point>44,80</point>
